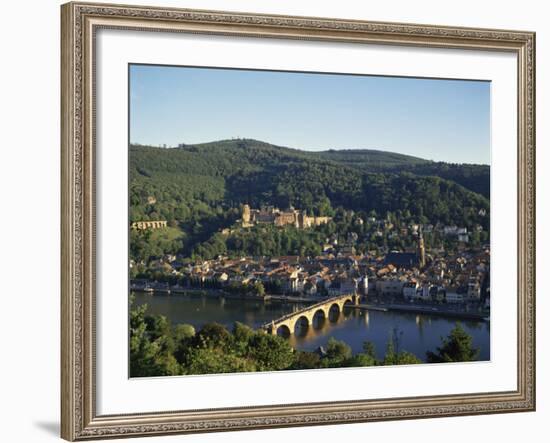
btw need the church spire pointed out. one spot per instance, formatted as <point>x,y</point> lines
<point>421,250</point>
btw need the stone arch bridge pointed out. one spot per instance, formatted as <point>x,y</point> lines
<point>307,314</point>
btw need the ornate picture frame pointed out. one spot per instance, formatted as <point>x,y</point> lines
<point>80,22</point>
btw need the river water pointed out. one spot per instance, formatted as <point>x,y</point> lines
<point>417,333</point>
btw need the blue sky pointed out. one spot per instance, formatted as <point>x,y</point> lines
<point>442,120</point>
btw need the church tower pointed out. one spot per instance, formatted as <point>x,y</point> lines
<point>421,250</point>
<point>246,215</point>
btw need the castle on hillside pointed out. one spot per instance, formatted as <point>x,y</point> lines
<point>143,225</point>
<point>274,216</point>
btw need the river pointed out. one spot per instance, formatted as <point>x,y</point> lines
<point>417,332</point>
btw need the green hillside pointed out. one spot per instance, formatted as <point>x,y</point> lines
<point>370,158</point>
<point>473,177</point>
<point>201,188</point>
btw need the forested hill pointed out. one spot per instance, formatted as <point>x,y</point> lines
<point>221,176</point>
<point>369,158</point>
<point>473,177</point>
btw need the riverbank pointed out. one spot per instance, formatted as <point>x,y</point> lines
<point>221,293</point>
<point>353,326</point>
<point>439,311</point>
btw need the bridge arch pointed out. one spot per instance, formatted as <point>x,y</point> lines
<point>323,309</point>
<point>319,317</point>
<point>320,313</point>
<point>346,304</point>
<point>283,330</point>
<point>302,323</point>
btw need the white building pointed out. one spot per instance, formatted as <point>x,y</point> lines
<point>410,290</point>
<point>363,285</point>
<point>425,292</point>
<point>450,230</point>
<point>464,238</point>
<point>453,297</point>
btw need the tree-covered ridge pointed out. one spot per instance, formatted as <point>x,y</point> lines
<point>223,158</point>
<point>200,189</point>
<point>369,158</point>
<point>474,177</point>
<point>244,171</point>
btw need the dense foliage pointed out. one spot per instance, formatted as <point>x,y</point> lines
<point>456,347</point>
<point>200,190</point>
<point>473,177</point>
<point>157,348</point>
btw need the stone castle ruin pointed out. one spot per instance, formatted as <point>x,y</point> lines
<point>274,216</point>
<point>154,224</point>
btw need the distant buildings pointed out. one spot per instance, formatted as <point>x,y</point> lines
<point>274,216</point>
<point>410,290</point>
<point>408,260</point>
<point>402,259</point>
<point>460,277</point>
<point>447,275</point>
<point>390,286</point>
<point>153,224</point>
<point>460,233</point>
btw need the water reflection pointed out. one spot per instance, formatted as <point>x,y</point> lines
<point>305,333</point>
<point>420,332</point>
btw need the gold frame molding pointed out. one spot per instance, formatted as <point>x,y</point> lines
<point>79,22</point>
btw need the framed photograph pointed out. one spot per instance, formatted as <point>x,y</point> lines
<point>277,221</point>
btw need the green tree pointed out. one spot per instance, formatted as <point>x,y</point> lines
<point>259,289</point>
<point>160,331</point>
<point>306,360</point>
<point>215,361</point>
<point>213,335</point>
<point>337,353</point>
<point>270,352</point>
<point>456,347</point>
<point>148,357</point>
<point>182,336</point>
<point>369,349</point>
<point>394,356</point>
<point>242,335</point>
<point>361,360</point>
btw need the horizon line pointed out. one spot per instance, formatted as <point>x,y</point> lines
<point>313,150</point>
